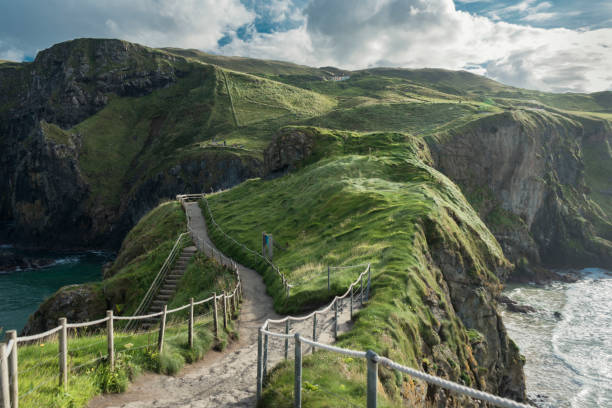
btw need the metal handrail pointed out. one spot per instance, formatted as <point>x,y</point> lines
<point>145,303</point>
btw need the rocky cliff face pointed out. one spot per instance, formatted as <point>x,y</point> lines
<point>45,198</point>
<point>524,172</point>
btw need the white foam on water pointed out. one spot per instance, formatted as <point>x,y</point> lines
<point>569,360</point>
<point>65,261</point>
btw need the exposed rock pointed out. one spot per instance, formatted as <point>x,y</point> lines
<point>77,303</point>
<point>498,366</point>
<point>11,262</point>
<point>524,174</point>
<point>289,148</point>
<point>514,306</point>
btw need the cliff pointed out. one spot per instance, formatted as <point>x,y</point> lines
<point>533,177</point>
<point>89,142</point>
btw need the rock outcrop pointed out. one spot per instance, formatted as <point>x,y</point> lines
<point>46,198</point>
<point>524,172</point>
<point>77,303</point>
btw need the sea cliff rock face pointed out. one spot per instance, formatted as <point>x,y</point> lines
<point>46,200</point>
<point>525,174</point>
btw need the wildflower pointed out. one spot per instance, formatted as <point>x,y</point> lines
<point>128,345</point>
<point>42,344</point>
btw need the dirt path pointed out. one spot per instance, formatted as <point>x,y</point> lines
<point>221,379</point>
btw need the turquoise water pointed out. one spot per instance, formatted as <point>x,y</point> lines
<point>569,357</point>
<point>22,292</point>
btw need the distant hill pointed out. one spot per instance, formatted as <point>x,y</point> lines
<point>448,182</point>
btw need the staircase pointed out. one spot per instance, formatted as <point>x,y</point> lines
<point>168,288</point>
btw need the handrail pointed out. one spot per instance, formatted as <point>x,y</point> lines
<point>159,279</point>
<point>449,385</point>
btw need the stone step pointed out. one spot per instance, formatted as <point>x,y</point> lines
<point>163,297</point>
<point>169,288</point>
<point>164,291</point>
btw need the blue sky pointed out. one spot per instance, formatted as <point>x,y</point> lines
<point>586,14</point>
<point>551,45</point>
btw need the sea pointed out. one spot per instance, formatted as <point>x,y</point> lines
<point>567,342</point>
<point>22,291</point>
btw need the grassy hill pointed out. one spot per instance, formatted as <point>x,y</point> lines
<point>142,254</point>
<point>375,198</point>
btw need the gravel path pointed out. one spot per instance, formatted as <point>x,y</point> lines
<point>221,379</point>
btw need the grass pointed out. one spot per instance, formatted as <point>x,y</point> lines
<point>142,253</point>
<point>256,99</point>
<point>88,366</point>
<point>388,207</point>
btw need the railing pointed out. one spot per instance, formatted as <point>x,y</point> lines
<point>286,285</point>
<point>373,359</point>
<point>9,370</point>
<point>145,303</point>
<point>9,366</point>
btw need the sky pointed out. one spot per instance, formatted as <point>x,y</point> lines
<point>548,45</point>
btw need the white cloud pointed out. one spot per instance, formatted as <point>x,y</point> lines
<point>32,24</point>
<point>10,53</point>
<point>347,33</point>
<point>540,16</point>
<point>432,33</point>
<point>188,23</point>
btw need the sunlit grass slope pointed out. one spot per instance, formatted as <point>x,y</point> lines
<point>388,207</point>
<point>142,254</point>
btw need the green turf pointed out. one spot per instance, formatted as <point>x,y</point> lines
<point>143,252</point>
<point>388,207</point>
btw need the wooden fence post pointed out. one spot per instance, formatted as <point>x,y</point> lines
<point>13,370</point>
<point>4,377</point>
<point>336,319</point>
<point>110,339</point>
<point>286,339</point>
<point>369,282</point>
<point>351,302</point>
<point>297,386</point>
<point>162,330</point>
<point>63,354</point>
<point>259,363</point>
<point>265,356</point>
<point>372,378</point>
<point>215,319</point>
<point>190,330</point>
<point>361,290</point>
<point>314,330</point>
<point>224,311</point>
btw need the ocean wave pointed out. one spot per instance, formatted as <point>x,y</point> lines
<point>569,359</point>
<point>67,260</point>
<point>582,340</point>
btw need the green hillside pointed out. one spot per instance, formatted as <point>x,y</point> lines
<point>387,207</point>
